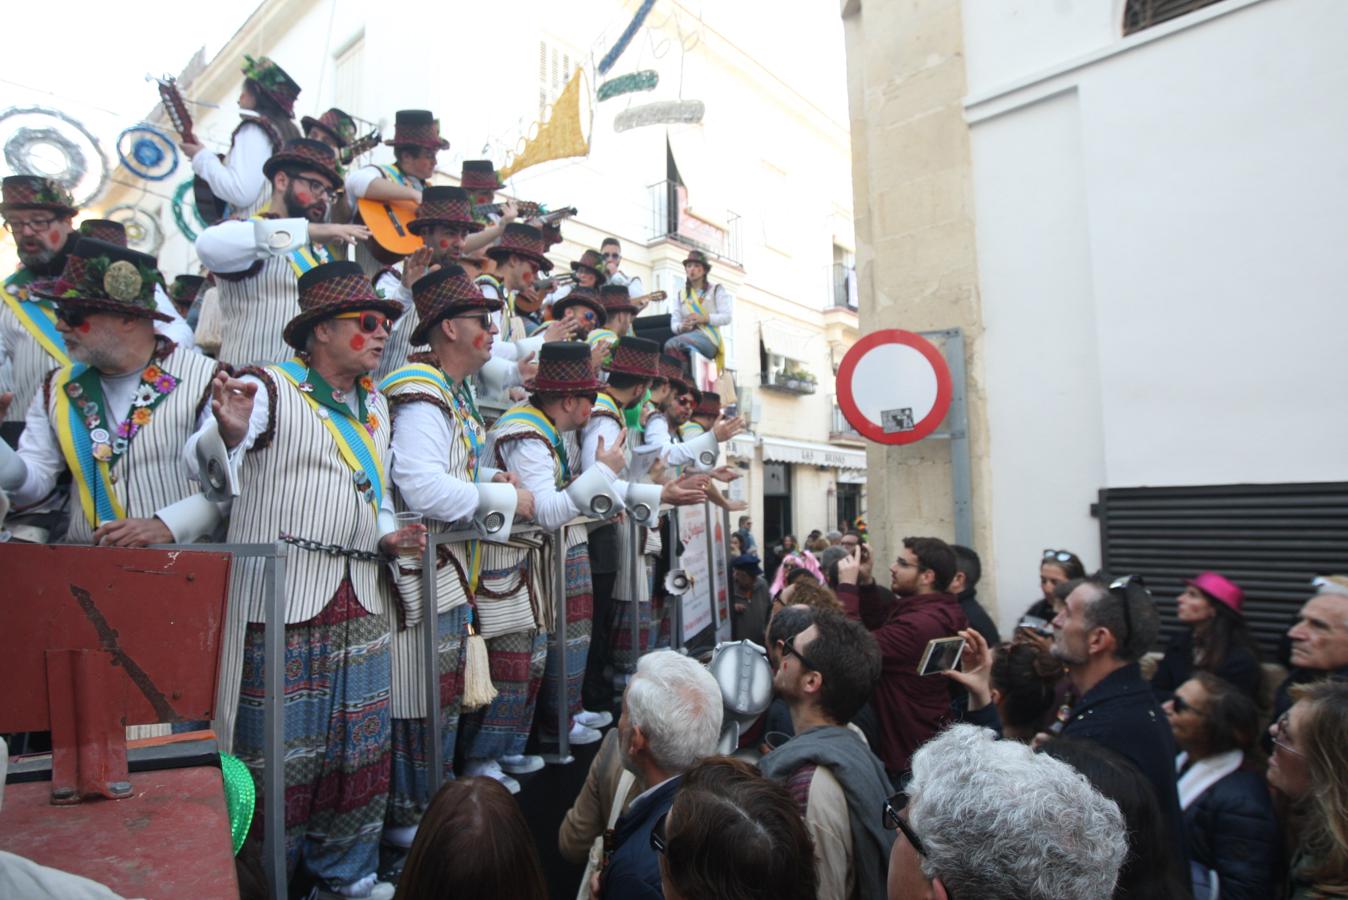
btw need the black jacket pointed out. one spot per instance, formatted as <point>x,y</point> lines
<point>1240,667</point>
<point>1120,713</point>
<point>978,617</point>
<point>634,869</point>
<point>1231,827</point>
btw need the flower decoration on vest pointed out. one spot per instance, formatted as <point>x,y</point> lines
<point>155,385</point>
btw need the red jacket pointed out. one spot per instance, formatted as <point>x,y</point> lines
<point>911,708</point>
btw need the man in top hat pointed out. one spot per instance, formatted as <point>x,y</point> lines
<point>335,128</point>
<point>438,470</point>
<point>702,310</point>
<point>588,272</point>
<point>444,220</point>
<point>117,415</point>
<point>661,436</point>
<point>537,440</point>
<point>258,262</point>
<point>175,328</point>
<point>184,292</point>
<point>631,367</point>
<point>416,144</point>
<point>308,439</point>
<point>583,307</point>
<point>705,413</point>
<point>619,311</point>
<point>267,102</point>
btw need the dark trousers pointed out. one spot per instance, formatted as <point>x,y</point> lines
<point>597,691</point>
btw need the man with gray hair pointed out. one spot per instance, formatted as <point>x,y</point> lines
<point>671,718</point>
<point>1101,633</point>
<point>993,819</point>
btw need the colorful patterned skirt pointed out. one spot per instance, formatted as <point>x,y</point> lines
<point>579,612</point>
<point>502,729</point>
<point>336,735</point>
<point>409,791</point>
<point>624,656</point>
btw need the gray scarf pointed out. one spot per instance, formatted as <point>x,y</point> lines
<point>863,781</point>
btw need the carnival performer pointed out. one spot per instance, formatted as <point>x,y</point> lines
<point>183,292</point>
<point>308,439</point>
<point>632,365</point>
<point>583,307</point>
<point>703,418</point>
<point>444,219</point>
<point>337,129</point>
<point>702,311</point>
<point>416,144</point>
<point>258,262</point>
<point>39,214</point>
<point>117,415</point>
<point>619,311</point>
<point>589,274</point>
<point>439,470</point>
<point>538,441</point>
<point>267,104</point>
<point>661,438</point>
<point>173,325</point>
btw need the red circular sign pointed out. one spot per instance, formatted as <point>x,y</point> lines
<point>875,381</point>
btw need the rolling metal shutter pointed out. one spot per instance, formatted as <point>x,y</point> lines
<point>1271,539</point>
<point>1140,14</point>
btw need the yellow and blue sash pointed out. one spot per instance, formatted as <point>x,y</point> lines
<point>536,421</point>
<point>601,334</point>
<point>38,317</point>
<point>92,476</point>
<point>393,173</point>
<point>690,430</point>
<point>354,443</point>
<point>694,301</point>
<point>461,402</point>
<point>605,402</point>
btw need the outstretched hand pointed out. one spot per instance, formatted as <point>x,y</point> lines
<point>613,457</point>
<point>975,671</point>
<point>725,429</point>
<point>232,404</point>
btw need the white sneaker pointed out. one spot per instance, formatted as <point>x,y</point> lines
<point>490,768</point>
<point>581,735</point>
<point>520,764</point>
<point>366,888</point>
<point>594,719</point>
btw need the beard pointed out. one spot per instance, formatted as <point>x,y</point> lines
<point>315,211</point>
<point>36,255</point>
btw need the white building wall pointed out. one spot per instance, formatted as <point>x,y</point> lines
<point>1160,243</point>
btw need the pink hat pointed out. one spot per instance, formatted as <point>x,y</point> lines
<point>1219,588</point>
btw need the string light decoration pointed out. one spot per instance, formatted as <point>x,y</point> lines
<point>632,82</point>
<point>147,152</point>
<point>625,38</point>
<point>142,228</point>
<point>41,141</point>
<point>180,214</point>
<point>664,112</point>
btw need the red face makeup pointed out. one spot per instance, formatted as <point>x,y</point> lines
<point>357,342</point>
<point>444,243</point>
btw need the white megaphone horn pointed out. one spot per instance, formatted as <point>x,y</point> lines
<point>677,582</point>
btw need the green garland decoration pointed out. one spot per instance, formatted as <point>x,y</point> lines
<point>180,218</point>
<point>645,80</point>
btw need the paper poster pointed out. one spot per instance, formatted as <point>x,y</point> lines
<point>697,601</point>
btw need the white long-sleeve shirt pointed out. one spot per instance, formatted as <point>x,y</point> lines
<point>239,180</point>
<point>42,462</point>
<point>716,303</point>
<point>234,246</point>
<point>532,461</point>
<point>358,181</point>
<point>417,463</point>
<point>657,441</point>
<point>257,424</point>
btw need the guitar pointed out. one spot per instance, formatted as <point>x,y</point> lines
<point>210,207</point>
<point>360,146</point>
<point>527,210</point>
<point>387,221</point>
<point>652,297</point>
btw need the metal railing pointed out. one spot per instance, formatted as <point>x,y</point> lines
<point>668,219</point>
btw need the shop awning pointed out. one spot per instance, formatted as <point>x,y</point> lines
<point>786,340</point>
<point>812,454</point>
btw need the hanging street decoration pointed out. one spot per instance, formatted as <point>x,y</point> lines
<point>625,38</point>
<point>645,80</point>
<point>180,207</point>
<point>560,136</point>
<point>664,112</point>
<point>147,152</point>
<point>142,228</point>
<point>38,140</point>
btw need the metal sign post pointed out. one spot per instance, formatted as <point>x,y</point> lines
<point>563,755</point>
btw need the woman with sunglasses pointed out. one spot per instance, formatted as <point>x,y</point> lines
<point>1309,769</point>
<point>1229,824</point>
<point>1215,640</point>
<point>1055,567</point>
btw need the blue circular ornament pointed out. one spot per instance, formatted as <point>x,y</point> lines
<point>147,152</point>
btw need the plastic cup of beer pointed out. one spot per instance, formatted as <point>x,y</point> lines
<point>409,544</point>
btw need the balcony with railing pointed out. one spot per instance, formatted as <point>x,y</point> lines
<point>842,287</point>
<point>671,219</point>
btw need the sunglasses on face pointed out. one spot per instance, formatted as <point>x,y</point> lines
<point>36,226</point>
<point>613,256</point>
<point>72,317</point>
<point>894,819</point>
<point>369,322</point>
<point>789,648</point>
<point>482,319</point>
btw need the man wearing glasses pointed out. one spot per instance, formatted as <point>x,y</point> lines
<point>258,262</point>
<point>1105,627</point>
<point>612,253</point>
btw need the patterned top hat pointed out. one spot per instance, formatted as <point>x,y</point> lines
<point>279,87</point>
<point>581,297</point>
<point>35,192</point>
<point>697,256</point>
<point>635,356</point>
<point>443,205</point>
<point>185,288</point>
<point>104,230</point>
<point>672,370</point>
<point>479,175</point>
<point>332,288</point>
<point>314,156</point>
<point>521,240</point>
<point>616,299</point>
<point>339,125</point>
<point>591,260</point>
<point>564,368</point>
<point>708,404</point>
<point>103,277</point>
<point>417,128</point>
<point>446,292</point>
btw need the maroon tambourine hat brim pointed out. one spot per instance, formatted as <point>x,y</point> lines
<point>500,254</point>
<point>416,226</point>
<point>547,386</point>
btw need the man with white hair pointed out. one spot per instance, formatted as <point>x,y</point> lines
<point>1319,639</point>
<point>671,718</point>
<point>993,819</point>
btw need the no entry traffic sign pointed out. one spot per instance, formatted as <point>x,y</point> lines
<point>894,387</point>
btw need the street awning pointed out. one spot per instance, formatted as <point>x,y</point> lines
<point>812,454</point>
<point>786,340</point>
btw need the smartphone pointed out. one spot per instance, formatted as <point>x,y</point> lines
<point>731,411</point>
<point>942,654</point>
<point>1039,626</point>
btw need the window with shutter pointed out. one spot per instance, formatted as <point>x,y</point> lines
<point>1140,14</point>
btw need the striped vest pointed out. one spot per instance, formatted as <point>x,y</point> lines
<point>501,434</point>
<point>398,347</point>
<point>295,481</point>
<point>150,474</point>
<point>253,312</point>
<point>29,362</point>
